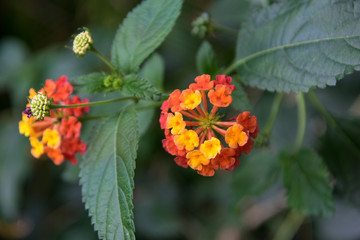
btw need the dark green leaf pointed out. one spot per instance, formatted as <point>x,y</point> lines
<point>307,182</point>
<point>153,70</point>
<point>135,86</point>
<point>295,45</point>
<point>90,83</point>
<point>240,98</point>
<point>256,173</point>
<point>107,173</point>
<point>343,157</point>
<point>142,31</point>
<point>206,61</point>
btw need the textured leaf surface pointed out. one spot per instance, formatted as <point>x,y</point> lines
<point>90,83</point>
<point>152,70</point>
<point>142,31</point>
<point>240,99</point>
<point>295,45</point>
<point>256,174</point>
<point>135,86</point>
<point>206,61</point>
<point>107,173</point>
<point>307,182</point>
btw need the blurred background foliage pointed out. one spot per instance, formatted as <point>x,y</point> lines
<point>39,200</point>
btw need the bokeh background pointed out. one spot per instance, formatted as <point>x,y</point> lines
<point>39,200</point>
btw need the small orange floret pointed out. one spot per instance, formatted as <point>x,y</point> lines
<point>210,148</point>
<point>224,80</point>
<point>202,83</point>
<point>190,99</point>
<point>249,123</point>
<point>225,159</point>
<point>176,123</point>
<point>221,96</point>
<point>174,101</point>
<point>235,136</point>
<point>55,155</point>
<point>188,140</point>
<point>197,159</point>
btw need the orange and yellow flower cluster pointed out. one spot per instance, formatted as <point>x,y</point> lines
<point>56,135</point>
<point>198,138</point>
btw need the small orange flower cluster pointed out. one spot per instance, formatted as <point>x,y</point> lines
<point>57,135</point>
<point>192,134</point>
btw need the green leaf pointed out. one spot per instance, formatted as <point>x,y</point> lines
<point>256,173</point>
<point>153,70</point>
<point>90,83</point>
<point>342,157</point>
<point>299,44</point>
<point>135,86</point>
<point>107,173</point>
<point>142,31</point>
<point>206,61</point>
<point>307,182</point>
<point>240,99</point>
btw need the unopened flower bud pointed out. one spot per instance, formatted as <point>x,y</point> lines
<point>201,26</point>
<point>117,82</point>
<point>82,43</point>
<point>40,106</point>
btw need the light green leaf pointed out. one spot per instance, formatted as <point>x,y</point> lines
<point>135,86</point>
<point>256,173</point>
<point>107,173</point>
<point>153,70</point>
<point>90,83</point>
<point>299,44</point>
<point>206,61</point>
<point>307,182</point>
<point>142,31</point>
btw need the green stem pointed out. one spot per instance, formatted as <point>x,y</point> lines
<point>289,226</point>
<point>53,106</point>
<point>274,111</point>
<point>220,28</point>
<point>301,122</point>
<point>103,58</point>
<point>331,121</point>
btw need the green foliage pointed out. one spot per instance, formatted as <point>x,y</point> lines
<point>296,45</point>
<point>257,172</point>
<point>143,30</point>
<point>206,61</point>
<point>107,174</point>
<point>153,70</point>
<point>307,181</point>
<point>13,168</point>
<point>342,157</point>
<point>90,83</point>
<point>240,99</point>
<point>134,85</point>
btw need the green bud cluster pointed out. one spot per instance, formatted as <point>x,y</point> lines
<point>112,82</point>
<point>82,43</point>
<point>40,106</point>
<point>201,26</point>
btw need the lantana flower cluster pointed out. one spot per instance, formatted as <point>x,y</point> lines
<point>54,132</point>
<point>200,139</point>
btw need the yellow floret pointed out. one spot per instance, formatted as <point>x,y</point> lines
<point>210,148</point>
<point>197,160</point>
<point>25,126</point>
<point>51,138</point>
<point>176,123</point>
<point>190,99</point>
<point>37,147</point>
<point>188,140</point>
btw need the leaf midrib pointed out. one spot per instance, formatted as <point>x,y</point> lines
<point>242,61</point>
